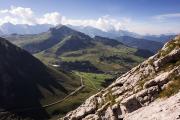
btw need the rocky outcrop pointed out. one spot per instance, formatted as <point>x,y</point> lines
<point>136,89</point>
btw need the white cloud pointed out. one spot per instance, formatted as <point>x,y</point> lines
<point>21,15</point>
<point>17,15</point>
<point>50,18</point>
<point>104,23</point>
<point>21,12</point>
<point>3,11</point>
<point>8,19</point>
<point>165,16</point>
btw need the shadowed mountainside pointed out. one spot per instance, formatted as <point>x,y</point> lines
<point>24,81</point>
<point>152,46</point>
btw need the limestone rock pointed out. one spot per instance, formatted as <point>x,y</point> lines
<point>91,117</point>
<point>168,109</point>
<point>131,104</point>
<point>159,80</point>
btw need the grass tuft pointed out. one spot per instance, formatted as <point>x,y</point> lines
<point>171,89</point>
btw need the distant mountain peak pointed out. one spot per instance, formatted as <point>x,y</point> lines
<point>9,28</point>
<point>92,31</point>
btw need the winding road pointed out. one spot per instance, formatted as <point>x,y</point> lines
<point>72,93</point>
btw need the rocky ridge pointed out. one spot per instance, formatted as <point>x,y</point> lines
<point>154,78</point>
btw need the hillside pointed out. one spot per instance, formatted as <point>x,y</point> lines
<point>39,42</point>
<point>156,78</point>
<point>69,44</point>
<point>159,38</point>
<point>25,82</point>
<point>149,45</point>
<point>76,52</point>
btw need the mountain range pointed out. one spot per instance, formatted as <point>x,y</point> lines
<point>38,42</point>
<point>152,46</point>
<point>9,28</point>
<point>159,38</point>
<point>91,31</point>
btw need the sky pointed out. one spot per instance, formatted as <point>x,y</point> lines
<point>140,16</point>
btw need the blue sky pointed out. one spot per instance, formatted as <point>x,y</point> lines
<point>141,16</point>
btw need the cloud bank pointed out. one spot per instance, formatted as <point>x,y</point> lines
<point>21,15</point>
<point>166,16</point>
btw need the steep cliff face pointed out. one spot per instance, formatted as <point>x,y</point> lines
<point>155,78</point>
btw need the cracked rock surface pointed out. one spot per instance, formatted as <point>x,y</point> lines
<point>168,109</point>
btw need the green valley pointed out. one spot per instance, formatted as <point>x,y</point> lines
<point>97,61</point>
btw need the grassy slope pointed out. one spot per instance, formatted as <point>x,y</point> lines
<point>69,81</point>
<point>43,41</point>
<point>126,57</point>
<point>152,46</point>
<point>174,86</point>
<point>92,84</point>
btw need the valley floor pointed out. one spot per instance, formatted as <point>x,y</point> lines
<point>91,83</point>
